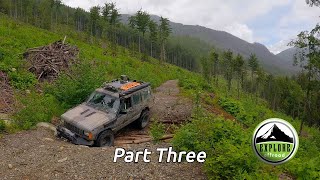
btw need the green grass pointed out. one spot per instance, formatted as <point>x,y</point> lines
<point>227,144</point>
<point>94,69</point>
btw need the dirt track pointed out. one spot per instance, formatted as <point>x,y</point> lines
<point>37,154</point>
<point>168,107</point>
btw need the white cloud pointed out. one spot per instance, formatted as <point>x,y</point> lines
<point>299,18</point>
<point>279,46</point>
<point>226,15</point>
<point>300,14</point>
<point>240,30</point>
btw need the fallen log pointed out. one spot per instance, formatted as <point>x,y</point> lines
<point>122,142</point>
<point>165,137</point>
<point>131,140</point>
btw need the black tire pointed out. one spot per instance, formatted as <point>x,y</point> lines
<point>144,119</point>
<point>105,139</point>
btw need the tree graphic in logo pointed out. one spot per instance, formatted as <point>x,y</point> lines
<point>275,141</point>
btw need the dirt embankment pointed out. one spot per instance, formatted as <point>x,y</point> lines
<point>6,92</point>
<point>37,154</point>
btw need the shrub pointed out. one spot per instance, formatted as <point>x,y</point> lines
<point>237,109</point>
<point>157,130</point>
<point>36,108</point>
<point>230,106</point>
<point>189,84</point>
<point>3,67</point>
<point>22,79</point>
<point>228,148</point>
<point>2,126</point>
<point>75,88</point>
<point>1,56</point>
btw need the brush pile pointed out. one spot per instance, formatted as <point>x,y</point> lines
<point>48,61</point>
<point>6,97</point>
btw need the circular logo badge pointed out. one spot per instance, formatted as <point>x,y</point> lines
<point>275,141</point>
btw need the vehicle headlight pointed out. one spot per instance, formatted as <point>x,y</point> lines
<point>89,135</point>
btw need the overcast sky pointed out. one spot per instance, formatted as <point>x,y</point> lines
<point>270,22</point>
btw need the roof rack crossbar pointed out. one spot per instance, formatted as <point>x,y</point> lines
<point>124,93</point>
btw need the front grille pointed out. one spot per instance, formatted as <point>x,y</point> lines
<point>73,128</point>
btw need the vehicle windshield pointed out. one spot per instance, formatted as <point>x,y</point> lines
<point>104,102</point>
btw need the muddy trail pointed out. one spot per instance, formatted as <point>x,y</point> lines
<point>38,154</point>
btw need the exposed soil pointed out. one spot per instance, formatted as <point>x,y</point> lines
<point>169,106</point>
<point>220,112</point>
<point>38,154</point>
<point>6,92</point>
<point>215,108</point>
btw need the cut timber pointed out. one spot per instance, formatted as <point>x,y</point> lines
<point>173,121</point>
<point>48,61</point>
<point>139,140</point>
<point>64,40</point>
<point>169,136</point>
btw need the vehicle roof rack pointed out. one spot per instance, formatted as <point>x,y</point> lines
<point>124,86</point>
<point>134,89</point>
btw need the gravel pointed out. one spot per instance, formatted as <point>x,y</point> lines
<point>38,154</point>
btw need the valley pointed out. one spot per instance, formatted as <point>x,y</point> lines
<point>211,90</point>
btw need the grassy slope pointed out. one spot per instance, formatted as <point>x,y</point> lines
<point>95,68</point>
<point>228,144</point>
<point>16,38</point>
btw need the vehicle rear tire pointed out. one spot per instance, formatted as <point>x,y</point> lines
<point>144,119</point>
<point>105,139</point>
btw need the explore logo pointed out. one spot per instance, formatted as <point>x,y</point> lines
<point>275,141</point>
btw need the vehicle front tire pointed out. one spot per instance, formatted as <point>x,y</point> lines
<point>105,139</point>
<point>144,119</point>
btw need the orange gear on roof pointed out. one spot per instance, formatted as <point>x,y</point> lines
<point>129,86</point>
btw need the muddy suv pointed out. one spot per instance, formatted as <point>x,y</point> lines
<point>110,108</point>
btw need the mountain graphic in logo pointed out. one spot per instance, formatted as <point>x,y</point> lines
<point>274,134</point>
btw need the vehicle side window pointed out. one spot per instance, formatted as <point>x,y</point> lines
<point>127,103</point>
<point>146,93</point>
<point>136,98</point>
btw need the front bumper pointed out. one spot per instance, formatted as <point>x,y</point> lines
<point>74,138</point>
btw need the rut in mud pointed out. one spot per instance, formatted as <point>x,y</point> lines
<point>38,154</point>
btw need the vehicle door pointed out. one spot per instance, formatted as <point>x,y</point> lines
<point>146,96</point>
<point>136,105</point>
<point>126,112</point>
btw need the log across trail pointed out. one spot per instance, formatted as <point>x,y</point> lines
<point>38,154</point>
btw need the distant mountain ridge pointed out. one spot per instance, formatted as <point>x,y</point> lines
<point>288,54</point>
<point>223,40</point>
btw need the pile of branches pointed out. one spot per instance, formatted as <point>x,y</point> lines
<point>48,61</point>
<point>6,97</point>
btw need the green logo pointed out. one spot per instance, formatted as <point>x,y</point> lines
<point>275,141</point>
